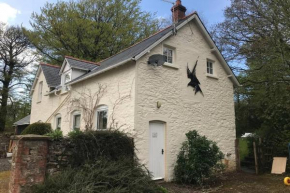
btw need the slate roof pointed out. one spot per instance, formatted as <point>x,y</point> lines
<point>132,51</point>
<point>81,64</point>
<point>23,121</point>
<point>51,74</point>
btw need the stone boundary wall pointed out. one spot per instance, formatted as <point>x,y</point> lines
<point>59,152</point>
<point>34,157</point>
<point>29,162</point>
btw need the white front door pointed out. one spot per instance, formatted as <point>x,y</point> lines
<point>156,157</point>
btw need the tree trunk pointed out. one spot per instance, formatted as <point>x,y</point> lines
<point>3,108</point>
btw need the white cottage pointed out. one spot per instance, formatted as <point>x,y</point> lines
<point>158,106</point>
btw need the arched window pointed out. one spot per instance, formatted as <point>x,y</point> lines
<point>102,117</point>
<point>58,121</point>
<point>76,120</point>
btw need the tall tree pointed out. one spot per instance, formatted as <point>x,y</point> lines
<point>13,62</point>
<point>257,32</point>
<point>89,29</point>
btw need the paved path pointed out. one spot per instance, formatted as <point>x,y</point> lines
<point>5,165</point>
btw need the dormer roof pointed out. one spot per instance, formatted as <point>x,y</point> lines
<point>51,74</point>
<point>79,64</point>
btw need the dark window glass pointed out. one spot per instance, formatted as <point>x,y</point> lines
<point>77,122</point>
<point>102,120</point>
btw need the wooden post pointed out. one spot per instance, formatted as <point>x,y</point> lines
<point>237,149</point>
<point>262,162</point>
<point>256,158</point>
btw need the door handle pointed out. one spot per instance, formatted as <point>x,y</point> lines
<point>162,151</point>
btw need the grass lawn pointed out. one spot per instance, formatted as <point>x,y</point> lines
<point>4,181</point>
<point>244,151</point>
<point>237,182</point>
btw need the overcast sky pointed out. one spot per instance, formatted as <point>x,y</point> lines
<point>211,11</point>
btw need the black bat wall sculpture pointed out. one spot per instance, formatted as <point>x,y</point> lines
<point>194,82</point>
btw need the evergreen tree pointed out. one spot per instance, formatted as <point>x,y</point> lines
<point>89,29</point>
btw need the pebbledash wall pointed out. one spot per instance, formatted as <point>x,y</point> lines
<point>120,82</point>
<point>211,115</point>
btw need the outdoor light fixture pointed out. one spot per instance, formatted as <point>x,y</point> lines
<point>158,104</point>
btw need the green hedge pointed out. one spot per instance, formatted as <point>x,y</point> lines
<point>37,129</point>
<point>90,146</point>
<point>103,176</point>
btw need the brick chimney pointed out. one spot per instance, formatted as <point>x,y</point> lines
<point>178,11</point>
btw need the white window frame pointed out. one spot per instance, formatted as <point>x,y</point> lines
<point>100,109</point>
<point>64,81</point>
<point>167,55</point>
<point>74,114</point>
<point>65,77</point>
<point>210,67</point>
<point>40,88</point>
<point>57,117</point>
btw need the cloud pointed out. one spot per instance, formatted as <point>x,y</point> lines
<point>7,13</point>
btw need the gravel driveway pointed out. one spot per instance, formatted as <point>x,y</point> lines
<point>4,164</point>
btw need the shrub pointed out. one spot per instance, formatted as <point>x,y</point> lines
<point>74,133</point>
<point>91,145</point>
<point>197,160</point>
<point>37,129</point>
<point>56,134</point>
<point>103,176</point>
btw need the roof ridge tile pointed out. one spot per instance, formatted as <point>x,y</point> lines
<point>146,38</point>
<point>81,60</point>
<point>51,65</point>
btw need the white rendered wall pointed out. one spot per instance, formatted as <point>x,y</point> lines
<point>211,115</point>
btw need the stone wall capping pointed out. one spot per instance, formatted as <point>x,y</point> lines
<point>30,137</point>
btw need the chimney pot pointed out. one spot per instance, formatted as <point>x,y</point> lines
<point>178,11</point>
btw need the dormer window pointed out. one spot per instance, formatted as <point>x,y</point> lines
<point>67,78</point>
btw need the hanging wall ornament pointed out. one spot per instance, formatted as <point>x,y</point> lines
<point>194,82</point>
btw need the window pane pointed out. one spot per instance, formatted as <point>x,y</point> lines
<point>165,58</point>
<point>58,125</point>
<point>40,91</point>
<point>102,120</point>
<point>165,52</point>
<point>209,67</point>
<point>170,53</point>
<point>77,121</point>
<point>67,78</point>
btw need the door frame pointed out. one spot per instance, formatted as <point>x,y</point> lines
<point>165,145</point>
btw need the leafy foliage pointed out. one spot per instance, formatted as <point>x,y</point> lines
<point>197,159</point>
<point>103,176</point>
<point>75,133</point>
<point>89,29</point>
<point>55,134</point>
<point>14,59</point>
<point>257,32</point>
<point>91,145</point>
<point>37,129</point>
